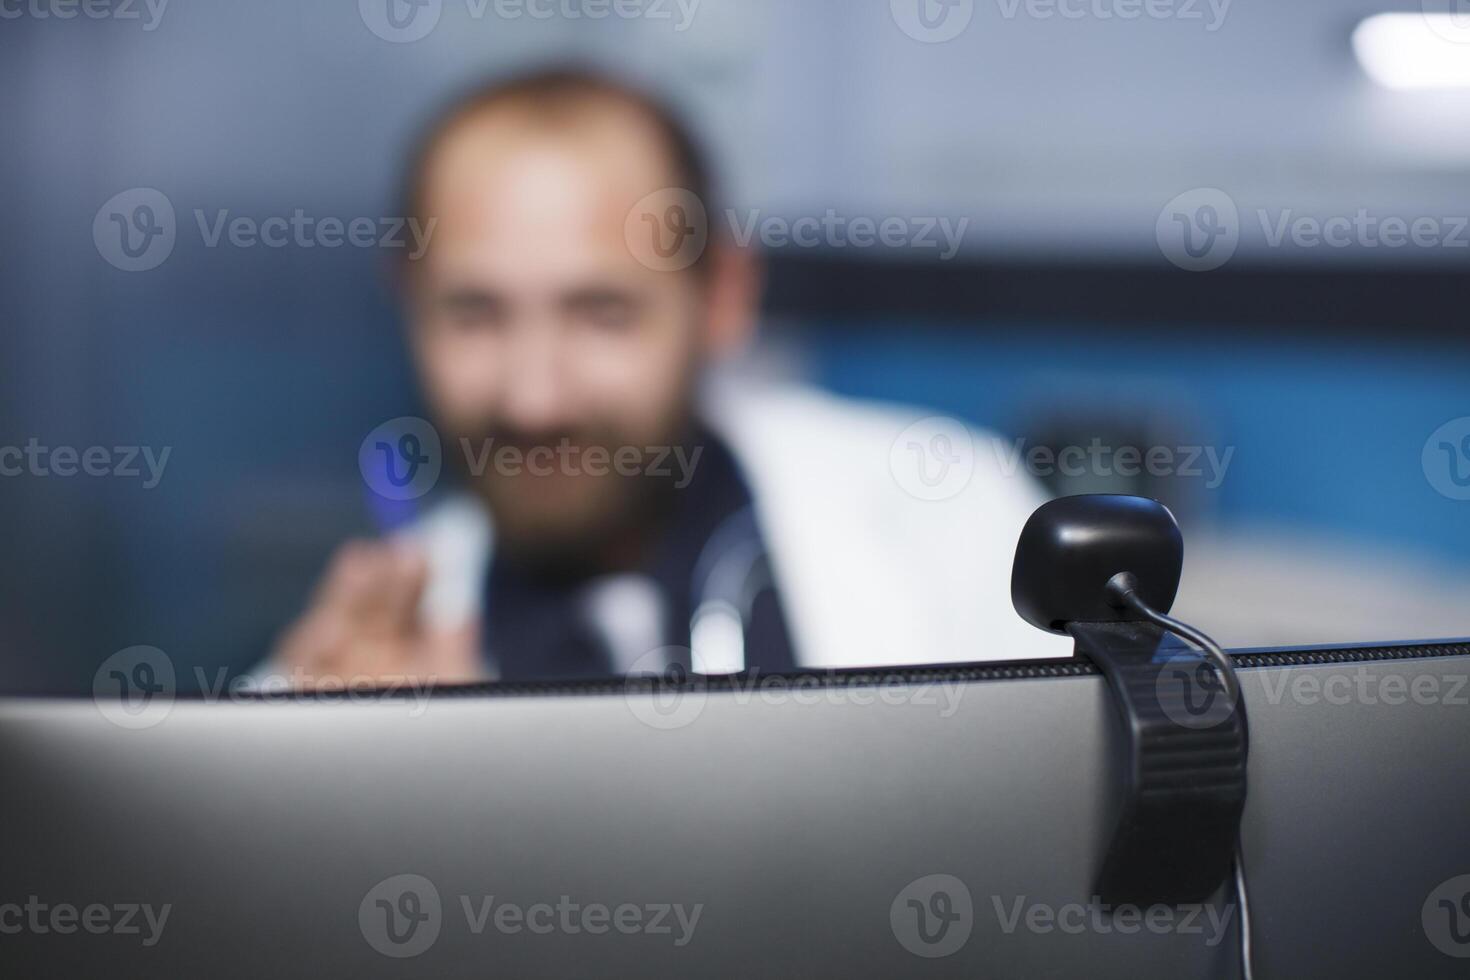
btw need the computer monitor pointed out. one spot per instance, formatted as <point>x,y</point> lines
<point>943,822</point>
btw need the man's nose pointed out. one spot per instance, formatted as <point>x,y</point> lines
<point>537,398</point>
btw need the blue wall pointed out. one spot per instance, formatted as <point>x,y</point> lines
<point>1328,436</point>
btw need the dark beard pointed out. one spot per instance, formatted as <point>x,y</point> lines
<point>618,541</point>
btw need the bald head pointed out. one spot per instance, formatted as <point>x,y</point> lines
<point>605,122</point>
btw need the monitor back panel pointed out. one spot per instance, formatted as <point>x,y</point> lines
<point>913,825</point>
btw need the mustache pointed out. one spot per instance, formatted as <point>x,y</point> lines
<point>490,449</point>
<point>526,440</point>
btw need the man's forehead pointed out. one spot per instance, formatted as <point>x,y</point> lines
<point>509,165</point>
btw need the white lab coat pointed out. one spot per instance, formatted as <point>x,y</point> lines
<point>869,574</point>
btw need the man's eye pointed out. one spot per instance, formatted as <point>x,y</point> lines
<point>472,314</point>
<point>607,314</point>
<point>474,320</point>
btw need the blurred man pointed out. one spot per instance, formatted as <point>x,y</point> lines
<point>621,511</point>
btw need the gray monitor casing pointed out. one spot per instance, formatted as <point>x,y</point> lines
<point>798,820</point>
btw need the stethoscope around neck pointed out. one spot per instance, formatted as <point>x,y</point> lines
<point>731,572</point>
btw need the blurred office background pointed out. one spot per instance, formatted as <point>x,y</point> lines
<point>1061,138</point>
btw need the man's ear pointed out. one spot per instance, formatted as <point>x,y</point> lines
<point>736,280</point>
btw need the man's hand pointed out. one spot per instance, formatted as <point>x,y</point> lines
<point>363,626</point>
